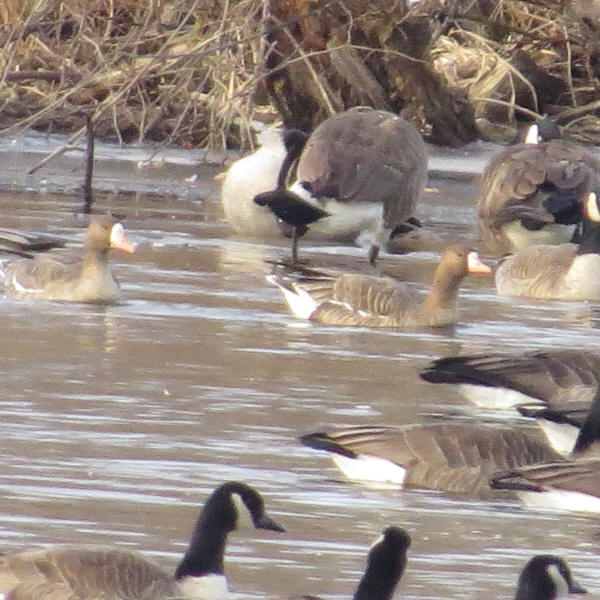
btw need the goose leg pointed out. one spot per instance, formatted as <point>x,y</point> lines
<point>294,245</point>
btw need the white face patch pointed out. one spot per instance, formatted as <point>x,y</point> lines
<point>244,518</point>
<point>562,587</point>
<point>591,208</point>
<point>533,135</point>
<point>116,234</point>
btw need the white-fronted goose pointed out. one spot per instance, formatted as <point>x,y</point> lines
<point>366,301</point>
<point>86,280</point>
<point>366,168</point>
<point>552,378</point>
<point>531,192</point>
<point>93,572</point>
<point>456,458</point>
<point>546,577</point>
<point>559,272</point>
<point>572,485</point>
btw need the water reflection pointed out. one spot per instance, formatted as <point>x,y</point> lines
<point>119,421</point>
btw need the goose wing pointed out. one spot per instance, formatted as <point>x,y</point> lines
<point>366,155</point>
<point>80,572</point>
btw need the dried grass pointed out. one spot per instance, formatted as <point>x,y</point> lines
<point>174,71</point>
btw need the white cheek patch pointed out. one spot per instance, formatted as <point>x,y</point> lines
<point>533,135</point>
<point>244,518</point>
<point>591,208</point>
<point>562,587</point>
<point>116,234</point>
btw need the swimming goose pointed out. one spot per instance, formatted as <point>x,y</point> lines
<point>572,484</point>
<point>386,562</point>
<point>365,167</point>
<point>93,572</point>
<point>560,272</point>
<point>560,424</point>
<point>456,458</point>
<point>25,244</point>
<point>366,301</point>
<point>87,280</point>
<point>552,378</point>
<point>531,192</point>
<point>546,577</point>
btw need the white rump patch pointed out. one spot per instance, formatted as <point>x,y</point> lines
<point>494,397</point>
<point>562,436</point>
<point>370,469</point>
<point>301,303</point>
<point>562,500</point>
<point>206,587</point>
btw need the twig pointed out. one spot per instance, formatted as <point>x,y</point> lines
<point>89,167</point>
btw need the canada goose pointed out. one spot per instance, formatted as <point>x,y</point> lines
<point>367,168</point>
<point>560,272</point>
<point>546,577</point>
<point>572,484</point>
<point>561,424</point>
<point>456,458</point>
<point>366,301</point>
<point>93,572</point>
<point>87,280</point>
<point>25,244</point>
<point>257,173</point>
<point>531,192</point>
<point>550,378</point>
<point>386,562</point>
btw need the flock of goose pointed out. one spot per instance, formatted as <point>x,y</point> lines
<point>359,176</point>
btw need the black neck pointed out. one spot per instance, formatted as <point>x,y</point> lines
<point>590,431</point>
<point>590,238</point>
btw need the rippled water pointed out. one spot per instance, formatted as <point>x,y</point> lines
<point>119,421</point>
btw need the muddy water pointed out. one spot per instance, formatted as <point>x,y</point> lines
<point>118,422</point>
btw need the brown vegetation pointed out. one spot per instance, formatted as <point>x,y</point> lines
<point>193,72</point>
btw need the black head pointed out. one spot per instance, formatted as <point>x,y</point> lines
<point>546,577</point>
<point>218,518</point>
<point>222,506</point>
<point>543,130</point>
<point>385,564</point>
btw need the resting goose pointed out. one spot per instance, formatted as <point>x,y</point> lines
<point>26,244</point>
<point>457,458</point>
<point>366,168</point>
<point>560,424</point>
<point>93,572</point>
<point>552,378</point>
<point>87,280</point>
<point>366,301</point>
<point>531,192</point>
<point>546,577</point>
<point>560,272</point>
<point>257,173</point>
<point>250,175</point>
<point>572,484</point>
